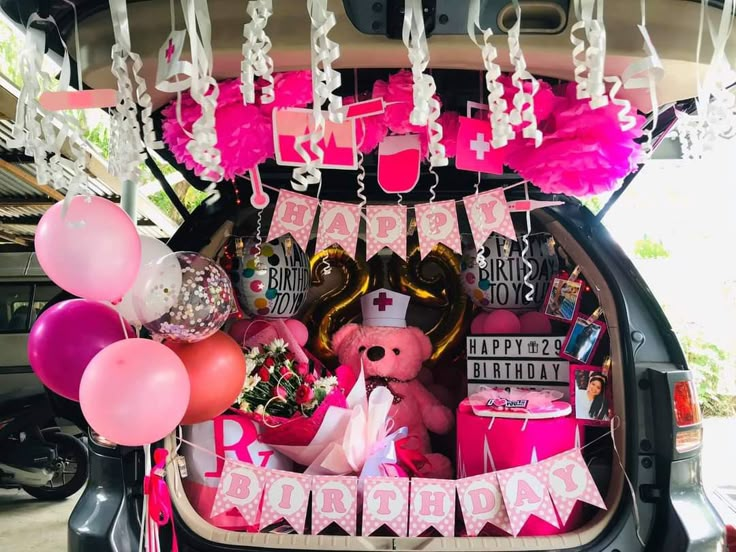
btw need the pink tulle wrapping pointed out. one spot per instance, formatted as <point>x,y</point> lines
<point>584,152</point>
<point>369,131</point>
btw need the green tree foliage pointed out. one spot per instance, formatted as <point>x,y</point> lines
<point>647,248</point>
<point>710,364</point>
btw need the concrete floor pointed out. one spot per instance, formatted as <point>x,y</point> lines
<point>27,524</point>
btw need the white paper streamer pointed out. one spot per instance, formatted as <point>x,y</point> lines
<point>121,29</point>
<point>716,105</point>
<point>426,108</point>
<point>523,108</point>
<point>589,62</point>
<point>501,128</point>
<point>256,61</point>
<point>204,91</point>
<point>525,251</point>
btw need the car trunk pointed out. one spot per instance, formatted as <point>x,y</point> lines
<point>604,465</point>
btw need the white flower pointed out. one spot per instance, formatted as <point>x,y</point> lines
<point>250,383</point>
<point>260,410</point>
<point>327,383</point>
<point>277,346</point>
<point>250,365</point>
<point>245,406</point>
<point>253,353</point>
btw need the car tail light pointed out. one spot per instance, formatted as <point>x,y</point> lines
<point>688,439</point>
<point>687,410</point>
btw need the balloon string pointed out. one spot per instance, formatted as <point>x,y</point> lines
<point>525,251</point>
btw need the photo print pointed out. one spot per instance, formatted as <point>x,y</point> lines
<point>563,299</point>
<point>582,340</point>
<point>590,393</point>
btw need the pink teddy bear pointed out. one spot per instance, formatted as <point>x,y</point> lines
<point>392,356</point>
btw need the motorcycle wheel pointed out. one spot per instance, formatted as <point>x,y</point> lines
<point>71,470</point>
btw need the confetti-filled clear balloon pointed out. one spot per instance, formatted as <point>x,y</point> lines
<point>201,302</point>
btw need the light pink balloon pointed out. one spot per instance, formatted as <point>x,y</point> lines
<point>92,252</point>
<point>134,392</point>
<point>298,330</point>
<point>502,322</point>
<point>535,323</point>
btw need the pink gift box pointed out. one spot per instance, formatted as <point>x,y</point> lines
<point>491,443</point>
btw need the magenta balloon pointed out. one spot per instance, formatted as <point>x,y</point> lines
<point>134,392</point>
<point>501,322</point>
<point>66,337</point>
<point>535,323</point>
<point>93,252</point>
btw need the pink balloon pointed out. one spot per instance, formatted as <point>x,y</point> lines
<point>535,323</point>
<point>298,330</point>
<point>66,337</point>
<point>502,322</point>
<point>478,324</point>
<point>135,392</point>
<point>93,251</point>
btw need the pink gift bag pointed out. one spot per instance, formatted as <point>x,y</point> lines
<point>493,437</point>
<point>231,436</point>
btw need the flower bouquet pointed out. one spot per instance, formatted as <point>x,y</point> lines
<point>326,423</point>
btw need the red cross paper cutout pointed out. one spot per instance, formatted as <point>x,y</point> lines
<point>474,150</point>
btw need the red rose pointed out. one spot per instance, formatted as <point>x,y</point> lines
<point>290,355</point>
<point>269,362</point>
<point>264,374</point>
<point>284,371</point>
<point>302,369</point>
<point>304,395</point>
<point>309,379</point>
<point>280,393</point>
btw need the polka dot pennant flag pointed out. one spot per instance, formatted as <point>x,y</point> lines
<point>481,503</point>
<point>338,225</point>
<point>432,504</point>
<point>286,496</point>
<point>386,502</point>
<point>437,223</point>
<point>334,500</point>
<point>240,487</point>
<point>569,480</point>
<point>524,491</point>
<point>487,213</point>
<point>385,227</point>
<point>294,214</point>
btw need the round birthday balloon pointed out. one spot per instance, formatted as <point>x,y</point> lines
<point>199,300</point>
<point>500,283</point>
<point>274,281</point>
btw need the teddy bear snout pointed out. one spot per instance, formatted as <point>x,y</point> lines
<point>375,354</point>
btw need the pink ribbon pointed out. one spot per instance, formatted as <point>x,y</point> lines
<point>160,510</point>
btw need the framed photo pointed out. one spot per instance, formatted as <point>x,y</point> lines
<point>582,340</point>
<point>590,394</point>
<point>563,299</point>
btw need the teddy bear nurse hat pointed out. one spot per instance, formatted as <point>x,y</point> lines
<point>384,308</point>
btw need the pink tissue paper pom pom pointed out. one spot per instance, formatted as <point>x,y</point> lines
<point>291,89</point>
<point>244,134</point>
<point>369,131</point>
<point>584,152</point>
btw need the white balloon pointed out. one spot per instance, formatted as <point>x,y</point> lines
<point>152,251</point>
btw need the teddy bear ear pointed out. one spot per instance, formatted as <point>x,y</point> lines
<point>425,345</point>
<point>343,335</point>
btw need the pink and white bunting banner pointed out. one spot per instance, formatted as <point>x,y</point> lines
<point>569,480</point>
<point>334,500</point>
<point>524,491</point>
<point>240,487</point>
<point>294,214</point>
<point>437,223</point>
<point>338,225</point>
<point>286,497</point>
<point>481,503</point>
<point>488,212</point>
<point>432,505</point>
<point>386,502</point>
<point>385,227</point>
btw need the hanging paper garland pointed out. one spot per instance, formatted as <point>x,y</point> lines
<point>256,61</point>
